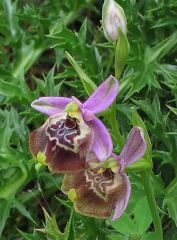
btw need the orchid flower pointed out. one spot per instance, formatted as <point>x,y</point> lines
<point>104,186</point>
<point>72,129</point>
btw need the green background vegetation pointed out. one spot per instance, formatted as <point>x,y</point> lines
<point>34,36</point>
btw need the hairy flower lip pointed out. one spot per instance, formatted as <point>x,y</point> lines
<point>65,143</point>
<point>87,187</point>
<point>84,178</point>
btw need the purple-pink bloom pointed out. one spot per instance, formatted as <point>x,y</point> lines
<point>134,149</point>
<point>104,186</point>
<point>72,129</point>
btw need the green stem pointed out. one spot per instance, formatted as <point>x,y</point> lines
<point>113,118</point>
<point>152,203</point>
<point>109,65</point>
<point>115,127</point>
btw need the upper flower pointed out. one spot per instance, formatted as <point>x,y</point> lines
<point>113,18</point>
<point>72,129</point>
<point>104,186</point>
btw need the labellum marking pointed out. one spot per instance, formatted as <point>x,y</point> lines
<point>64,132</point>
<point>100,182</point>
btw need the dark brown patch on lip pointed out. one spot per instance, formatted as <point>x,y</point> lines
<point>65,131</point>
<point>61,160</point>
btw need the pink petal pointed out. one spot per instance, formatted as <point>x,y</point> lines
<point>103,96</point>
<point>135,147</point>
<point>123,199</point>
<point>50,105</point>
<point>102,144</point>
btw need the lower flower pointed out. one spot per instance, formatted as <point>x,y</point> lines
<point>97,189</point>
<point>103,186</point>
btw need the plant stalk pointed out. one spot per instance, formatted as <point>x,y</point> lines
<point>152,203</point>
<point>115,127</point>
<point>113,119</point>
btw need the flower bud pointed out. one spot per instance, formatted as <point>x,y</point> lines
<point>113,18</point>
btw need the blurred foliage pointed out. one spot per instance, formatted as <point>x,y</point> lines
<point>34,36</point>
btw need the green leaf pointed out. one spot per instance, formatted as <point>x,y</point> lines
<point>161,49</point>
<point>172,109</point>
<point>69,231</point>
<point>151,108</point>
<point>143,75</point>
<point>12,19</point>
<point>88,84</point>
<point>150,236</point>
<point>124,225</point>
<point>27,236</point>
<point>116,237</point>
<point>51,228</point>
<point>5,133</point>
<point>143,216</point>
<point>21,208</point>
<point>121,53</point>
<point>9,89</point>
<point>171,200</point>
<point>83,32</point>
<point>89,225</point>
<point>5,206</point>
<point>9,189</point>
<point>65,203</point>
<point>28,54</point>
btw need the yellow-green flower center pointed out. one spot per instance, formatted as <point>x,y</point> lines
<point>73,110</point>
<point>110,163</point>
